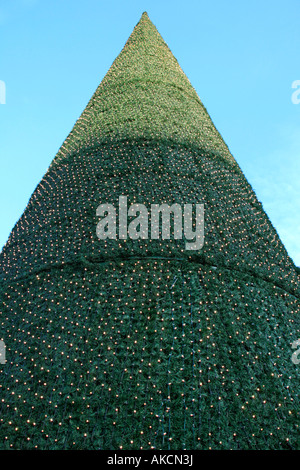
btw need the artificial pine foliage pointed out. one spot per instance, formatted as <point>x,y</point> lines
<point>141,344</point>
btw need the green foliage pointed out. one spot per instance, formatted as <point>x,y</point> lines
<point>201,359</point>
<point>139,343</point>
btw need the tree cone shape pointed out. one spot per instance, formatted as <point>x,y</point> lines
<point>140,344</point>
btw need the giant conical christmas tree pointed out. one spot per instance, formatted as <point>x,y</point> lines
<point>139,344</point>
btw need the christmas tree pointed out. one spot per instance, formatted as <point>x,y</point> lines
<point>139,342</point>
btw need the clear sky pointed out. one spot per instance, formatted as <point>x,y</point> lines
<point>241,57</point>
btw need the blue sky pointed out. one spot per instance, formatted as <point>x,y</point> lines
<point>241,57</point>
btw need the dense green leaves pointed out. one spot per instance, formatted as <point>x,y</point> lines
<point>139,343</point>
